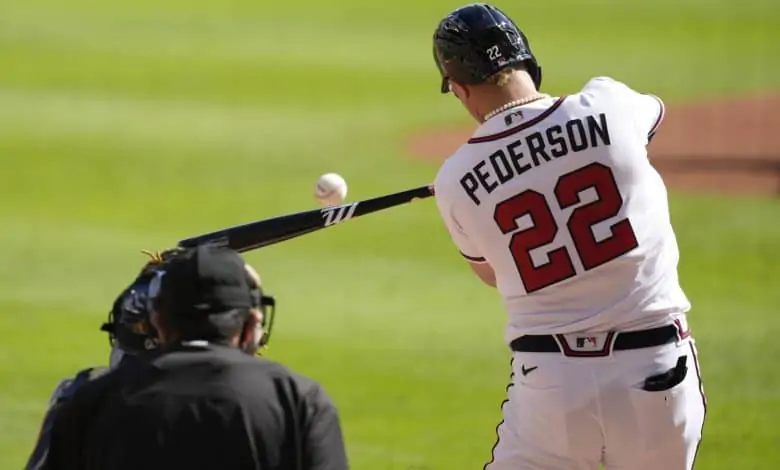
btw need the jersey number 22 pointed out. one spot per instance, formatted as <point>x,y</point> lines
<point>592,253</point>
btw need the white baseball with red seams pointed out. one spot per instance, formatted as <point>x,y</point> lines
<point>331,189</point>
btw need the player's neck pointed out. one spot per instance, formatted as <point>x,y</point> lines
<point>498,99</point>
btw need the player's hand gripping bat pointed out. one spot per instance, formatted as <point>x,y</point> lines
<point>277,229</point>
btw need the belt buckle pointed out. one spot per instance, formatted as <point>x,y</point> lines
<point>586,344</point>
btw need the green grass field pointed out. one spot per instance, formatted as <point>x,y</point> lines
<point>129,125</point>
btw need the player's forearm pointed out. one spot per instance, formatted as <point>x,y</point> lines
<point>485,273</point>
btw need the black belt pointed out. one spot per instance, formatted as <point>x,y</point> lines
<point>627,340</point>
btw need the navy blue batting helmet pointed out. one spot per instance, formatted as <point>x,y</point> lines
<point>478,40</point>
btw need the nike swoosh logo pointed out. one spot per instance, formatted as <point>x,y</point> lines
<point>529,370</point>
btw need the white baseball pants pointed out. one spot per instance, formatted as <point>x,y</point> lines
<point>575,413</point>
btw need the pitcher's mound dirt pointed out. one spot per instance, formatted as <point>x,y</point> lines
<point>730,145</point>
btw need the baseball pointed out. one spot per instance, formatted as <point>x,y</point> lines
<point>331,189</point>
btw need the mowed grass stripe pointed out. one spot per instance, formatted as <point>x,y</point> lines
<point>177,124</point>
<point>222,41</point>
<point>258,56</point>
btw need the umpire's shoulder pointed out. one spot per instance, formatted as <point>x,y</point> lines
<point>314,398</point>
<point>301,385</point>
<point>66,388</point>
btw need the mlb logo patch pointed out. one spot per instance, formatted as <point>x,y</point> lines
<point>586,344</point>
<point>583,342</point>
<point>512,117</point>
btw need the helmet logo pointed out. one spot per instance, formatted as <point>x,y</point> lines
<point>494,53</point>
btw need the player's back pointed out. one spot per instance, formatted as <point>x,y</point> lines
<point>560,198</point>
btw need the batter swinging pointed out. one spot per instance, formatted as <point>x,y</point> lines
<point>554,202</point>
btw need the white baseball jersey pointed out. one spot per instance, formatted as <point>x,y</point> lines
<point>559,197</point>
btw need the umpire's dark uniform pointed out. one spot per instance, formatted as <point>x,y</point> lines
<point>199,405</point>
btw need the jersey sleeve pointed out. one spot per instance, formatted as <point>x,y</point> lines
<point>649,113</point>
<point>646,109</point>
<point>323,446</point>
<point>445,203</point>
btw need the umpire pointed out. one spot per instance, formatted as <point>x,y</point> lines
<point>203,401</point>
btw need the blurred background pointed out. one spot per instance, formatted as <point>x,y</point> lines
<point>130,125</point>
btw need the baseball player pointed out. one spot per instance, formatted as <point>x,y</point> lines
<point>131,336</point>
<point>553,202</point>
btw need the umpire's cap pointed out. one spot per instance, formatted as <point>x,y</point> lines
<point>209,279</point>
<point>478,40</point>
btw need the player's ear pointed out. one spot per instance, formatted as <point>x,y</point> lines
<point>252,332</point>
<point>460,91</point>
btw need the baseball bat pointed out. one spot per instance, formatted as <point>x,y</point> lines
<point>266,232</point>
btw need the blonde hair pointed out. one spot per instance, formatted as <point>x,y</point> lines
<point>503,77</point>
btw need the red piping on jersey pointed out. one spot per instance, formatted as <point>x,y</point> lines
<point>525,125</point>
<point>703,398</point>
<point>476,259</point>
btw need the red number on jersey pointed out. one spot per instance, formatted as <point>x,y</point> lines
<point>542,232</point>
<point>592,253</point>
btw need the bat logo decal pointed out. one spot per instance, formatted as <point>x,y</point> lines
<point>337,214</point>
